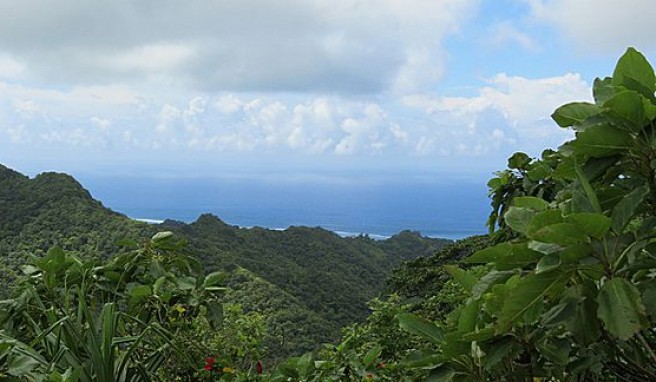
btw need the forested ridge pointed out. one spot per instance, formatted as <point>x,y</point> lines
<point>308,282</point>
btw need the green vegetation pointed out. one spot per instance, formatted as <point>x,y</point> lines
<point>563,288</point>
<point>307,283</point>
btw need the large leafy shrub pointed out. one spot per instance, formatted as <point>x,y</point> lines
<point>571,289</point>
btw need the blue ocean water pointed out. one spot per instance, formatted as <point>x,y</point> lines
<point>451,210</point>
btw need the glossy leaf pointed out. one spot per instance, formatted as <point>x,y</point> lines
<point>531,290</point>
<point>419,326</point>
<point>574,113</point>
<point>602,140</point>
<point>603,90</point>
<point>634,66</point>
<point>628,107</point>
<point>560,233</point>
<point>626,209</point>
<point>548,263</point>
<point>464,278</point>
<point>544,219</point>
<point>506,256</point>
<point>486,282</point>
<point>530,202</point>
<point>518,218</point>
<point>593,224</point>
<point>620,308</point>
<point>468,317</point>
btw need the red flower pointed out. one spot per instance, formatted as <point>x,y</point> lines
<point>209,363</point>
<point>259,367</point>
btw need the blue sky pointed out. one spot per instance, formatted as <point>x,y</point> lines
<point>307,88</point>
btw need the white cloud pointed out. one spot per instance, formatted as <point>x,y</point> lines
<point>101,123</point>
<point>601,25</point>
<point>511,110</point>
<point>254,45</point>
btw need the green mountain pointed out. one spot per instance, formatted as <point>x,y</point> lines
<point>308,282</point>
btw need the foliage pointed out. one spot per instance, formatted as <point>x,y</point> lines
<point>568,291</point>
<point>114,321</point>
<point>306,282</point>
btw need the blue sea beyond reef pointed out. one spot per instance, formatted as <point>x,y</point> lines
<point>451,210</point>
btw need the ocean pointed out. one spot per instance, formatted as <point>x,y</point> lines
<point>452,210</point>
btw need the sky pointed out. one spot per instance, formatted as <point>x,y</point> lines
<point>299,88</point>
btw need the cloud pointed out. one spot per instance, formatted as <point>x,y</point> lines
<point>511,110</point>
<point>508,112</point>
<point>600,25</point>
<point>351,46</point>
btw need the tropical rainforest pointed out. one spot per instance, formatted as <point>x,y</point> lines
<point>563,288</point>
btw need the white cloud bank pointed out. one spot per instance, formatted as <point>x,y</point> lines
<point>352,46</point>
<point>508,110</point>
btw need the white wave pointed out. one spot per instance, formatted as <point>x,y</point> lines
<point>149,221</point>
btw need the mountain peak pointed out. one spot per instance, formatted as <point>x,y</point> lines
<point>7,173</point>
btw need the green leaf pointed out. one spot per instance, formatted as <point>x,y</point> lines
<point>498,350</point>
<point>530,202</point>
<point>589,191</point>
<point>422,360</point>
<point>489,280</point>
<point>548,263</point>
<point>626,209</point>
<point>505,256</point>
<point>372,355</point>
<point>305,365</point>
<point>581,202</point>
<point>628,107</point>
<point>603,90</point>
<point>543,219</point>
<point>214,279</point>
<point>186,282</point>
<point>519,161</point>
<point>601,141</point>
<point>538,171</point>
<point>468,317</point>
<point>518,218</point>
<point>574,113</point>
<point>556,350</point>
<point>593,224</point>
<point>139,292</point>
<point>634,66</point>
<point>21,364</point>
<point>490,254</point>
<point>480,335</point>
<point>441,374</point>
<point>560,233</point>
<point>577,311</point>
<point>530,290</point>
<point>160,236</point>
<point>418,326</point>
<point>620,308</point>
<point>215,314</point>
<point>464,278</point>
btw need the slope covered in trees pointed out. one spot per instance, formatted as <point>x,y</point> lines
<point>309,281</point>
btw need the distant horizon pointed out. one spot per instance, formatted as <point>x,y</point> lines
<point>447,210</point>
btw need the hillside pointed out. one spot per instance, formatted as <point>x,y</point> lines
<point>310,282</point>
